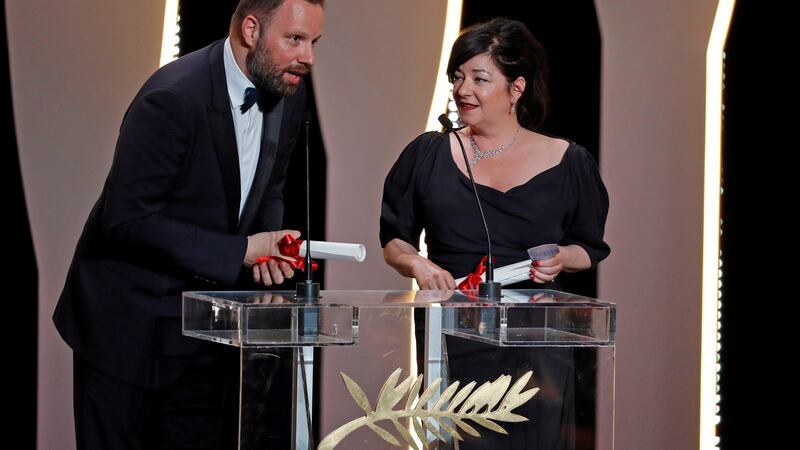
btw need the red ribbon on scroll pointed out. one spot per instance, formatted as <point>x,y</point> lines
<point>473,279</point>
<point>289,246</point>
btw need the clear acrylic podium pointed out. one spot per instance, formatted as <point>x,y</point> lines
<point>535,370</point>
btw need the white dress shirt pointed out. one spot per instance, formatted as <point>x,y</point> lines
<point>247,125</point>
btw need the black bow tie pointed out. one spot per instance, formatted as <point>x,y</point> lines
<point>251,97</point>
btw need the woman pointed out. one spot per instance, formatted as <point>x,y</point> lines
<point>535,189</point>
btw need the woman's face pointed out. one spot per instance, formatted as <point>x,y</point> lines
<point>481,92</point>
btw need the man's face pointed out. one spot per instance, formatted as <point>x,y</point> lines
<point>284,52</point>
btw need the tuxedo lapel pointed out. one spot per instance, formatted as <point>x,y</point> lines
<point>266,160</point>
<point>224,135</point>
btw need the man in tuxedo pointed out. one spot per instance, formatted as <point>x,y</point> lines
<point>193,197</point>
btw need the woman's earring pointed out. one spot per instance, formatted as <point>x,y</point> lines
<point>513,107</point>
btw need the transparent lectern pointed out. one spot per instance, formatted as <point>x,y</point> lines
<point>416,369</point>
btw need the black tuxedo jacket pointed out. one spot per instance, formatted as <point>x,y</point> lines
<point>167,220</point>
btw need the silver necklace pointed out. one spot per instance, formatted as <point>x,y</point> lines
<point>478,155</point>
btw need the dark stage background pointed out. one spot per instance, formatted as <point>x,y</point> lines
<point>755,209</point>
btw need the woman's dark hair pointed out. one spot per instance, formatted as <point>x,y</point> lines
<point>517,53</point>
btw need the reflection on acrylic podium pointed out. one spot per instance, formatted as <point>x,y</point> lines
<point>416,369</point>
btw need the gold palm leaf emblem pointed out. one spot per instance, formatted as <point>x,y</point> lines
<point>490,403</point>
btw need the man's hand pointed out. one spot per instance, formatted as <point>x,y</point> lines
<point>266,244</point>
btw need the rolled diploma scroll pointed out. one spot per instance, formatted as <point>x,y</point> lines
<point>510,274</point>
<point>341,251</point>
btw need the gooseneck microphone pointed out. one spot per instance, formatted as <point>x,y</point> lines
<point>488,288</point>
<point>308,290</point>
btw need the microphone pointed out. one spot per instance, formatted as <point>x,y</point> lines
<point>488,288</point>
<point>308,290</point>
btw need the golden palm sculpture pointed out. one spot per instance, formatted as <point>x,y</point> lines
<point>490,403</point>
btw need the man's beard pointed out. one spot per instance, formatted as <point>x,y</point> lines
<point>266,75</point>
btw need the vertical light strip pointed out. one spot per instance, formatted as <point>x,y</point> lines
<point>709,399</point>
<point>441,93</point>
<point>169,34</point>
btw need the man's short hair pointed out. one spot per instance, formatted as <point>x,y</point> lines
<point>262,9</point>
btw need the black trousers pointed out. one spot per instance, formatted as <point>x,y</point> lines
<point>198,411</point>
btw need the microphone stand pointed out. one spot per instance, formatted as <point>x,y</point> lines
<point>308,290</point>
<point>489,288</point>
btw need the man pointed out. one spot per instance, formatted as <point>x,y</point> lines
<point>193,197</point>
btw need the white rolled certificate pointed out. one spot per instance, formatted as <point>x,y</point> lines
<point>341,251</point>
<point>510,274</point>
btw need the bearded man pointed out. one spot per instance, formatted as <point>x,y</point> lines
<point>193,197</point>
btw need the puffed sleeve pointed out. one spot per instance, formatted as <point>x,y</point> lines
<point>588,220</point>
<point>398,209</point>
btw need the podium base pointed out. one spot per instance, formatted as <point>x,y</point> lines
<point>492,290</point>
<point>307,291</point>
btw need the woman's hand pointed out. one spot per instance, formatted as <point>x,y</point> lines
<point>431,276</point>
<point>546,270</point>
<point>570,258</point>
<point>404,258</point>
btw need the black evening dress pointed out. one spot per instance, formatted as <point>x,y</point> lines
<point>566,204</point>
